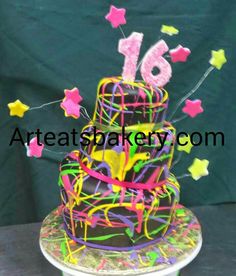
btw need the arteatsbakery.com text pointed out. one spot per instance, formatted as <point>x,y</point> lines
<point>123,137</point>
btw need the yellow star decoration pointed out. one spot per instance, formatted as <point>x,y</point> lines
<point>17,108</point>
<point>170,30</point>
<point>199,168</point>
<point>218,58</point>
<point>185,140</point>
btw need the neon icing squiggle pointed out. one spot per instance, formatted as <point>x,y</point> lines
<point>121,197</point>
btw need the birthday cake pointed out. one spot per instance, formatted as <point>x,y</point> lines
<point>120,208</point>
<point>117,190</point>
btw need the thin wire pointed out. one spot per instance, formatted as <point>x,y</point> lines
<point>139,64</point>
<point>43,105</point>
<point>122,32</point>
<point>183,176</point>
<point>85,111</point>
<point>179,119</point>
<point>56,152</point>
<point>177,160</point>
<point>208,71</point>
<point>85,117</point>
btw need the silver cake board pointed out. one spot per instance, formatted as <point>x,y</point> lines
<point>166,257</point>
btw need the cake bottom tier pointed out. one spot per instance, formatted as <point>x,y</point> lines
<point>96,216</point>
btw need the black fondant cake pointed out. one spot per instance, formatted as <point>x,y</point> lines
<point>118,193</point>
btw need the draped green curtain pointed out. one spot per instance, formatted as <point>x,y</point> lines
<point>47,46</point>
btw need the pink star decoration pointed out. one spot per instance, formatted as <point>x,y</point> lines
<point>71,109</point>
<point>33,149</point>
<point>116,16</point>
<point>193,108</point>
<point>73,95</point>
<point>179,54</point>
<point>70,103</point>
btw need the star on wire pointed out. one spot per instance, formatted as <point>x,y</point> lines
<point>179,54</point>
<point>116,16</point>
<point>199,168</point>
<point>193,108</point>
<point>73,95</point>
<point>218,58</point>
<point>169,30</point>
<point>18,108</point>
<point>71,109</point>
<point>184,144</point>
<point>34,149</point>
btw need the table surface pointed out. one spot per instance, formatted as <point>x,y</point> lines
<point>20,253</point>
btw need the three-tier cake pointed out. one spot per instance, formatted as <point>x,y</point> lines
<point>117,193</point>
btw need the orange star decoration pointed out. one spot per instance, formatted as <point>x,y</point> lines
<point>18,108</point>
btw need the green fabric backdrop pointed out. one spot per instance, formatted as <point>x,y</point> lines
<point>48,45</point>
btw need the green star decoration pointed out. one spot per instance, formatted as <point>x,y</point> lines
<point>218,58</point>
<point>17,108</point>
<point>184,140</point>
<point>199,168</point>
<point>169,30</point>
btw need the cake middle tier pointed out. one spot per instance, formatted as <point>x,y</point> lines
<point>121,103</point>
<point>134,154</point>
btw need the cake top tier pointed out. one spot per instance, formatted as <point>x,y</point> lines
<point>121,103</point>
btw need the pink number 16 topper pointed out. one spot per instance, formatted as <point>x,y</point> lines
<point>130,48</point>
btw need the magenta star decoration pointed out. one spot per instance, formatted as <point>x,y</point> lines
<point>193,108</point>
<point>73,95</point>
<point>116,16</point>
<point>33,149</point>
<point>70,103</point>
<point>71,109</point>
<point>179,54</point>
